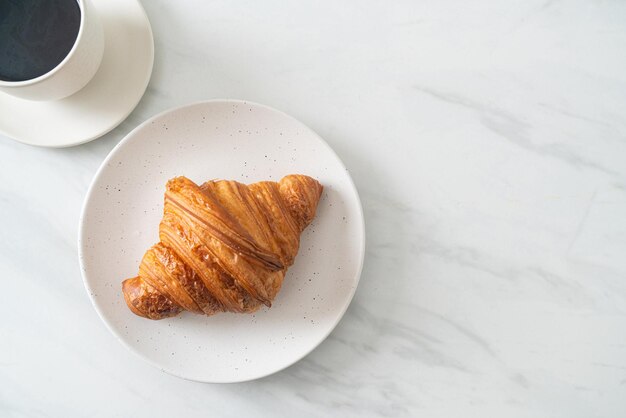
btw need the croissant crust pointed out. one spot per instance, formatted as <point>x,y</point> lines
<point>224,246</point>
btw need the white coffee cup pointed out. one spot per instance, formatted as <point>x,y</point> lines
<point>76,69</point>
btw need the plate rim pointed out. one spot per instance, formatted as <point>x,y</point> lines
<point>81,241</point>
<point>118,121</point>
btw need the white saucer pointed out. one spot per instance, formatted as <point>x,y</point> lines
<point>109,97</point>
<point>233,140</point>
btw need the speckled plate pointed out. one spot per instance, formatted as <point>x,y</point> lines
<point>231,140</point>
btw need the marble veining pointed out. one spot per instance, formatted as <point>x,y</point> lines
<point>488,144</point>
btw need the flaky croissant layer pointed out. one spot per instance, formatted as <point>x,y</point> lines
<point>224,246</point>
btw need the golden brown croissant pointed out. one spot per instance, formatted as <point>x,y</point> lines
<point>225,246</point>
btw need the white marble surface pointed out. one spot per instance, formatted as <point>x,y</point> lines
<point>488,142</point>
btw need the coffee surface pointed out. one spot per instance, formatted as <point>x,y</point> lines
<point>35,36</point>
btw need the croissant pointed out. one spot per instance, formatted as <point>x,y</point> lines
<point>224,246</point>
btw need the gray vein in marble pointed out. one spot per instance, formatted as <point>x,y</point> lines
<point>583,219</point>
<point>384,402</point>
<point>576,116</point>
<point>417,345</point>
<point>514,129</point>
<point>471,335</point>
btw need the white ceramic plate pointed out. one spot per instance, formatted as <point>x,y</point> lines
<point>230,140</point>
<point>105,101</point>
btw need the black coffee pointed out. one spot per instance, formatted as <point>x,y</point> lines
<point>35,36</point>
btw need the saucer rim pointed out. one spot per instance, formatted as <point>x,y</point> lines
<point>114,122</point>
